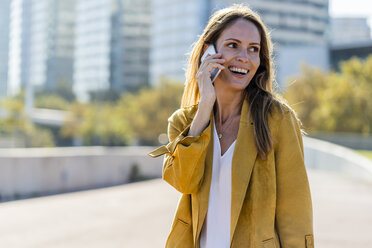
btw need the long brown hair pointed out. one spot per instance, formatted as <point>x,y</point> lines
<point>259,93</point>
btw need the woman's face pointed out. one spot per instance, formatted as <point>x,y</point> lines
<point>239,45</point>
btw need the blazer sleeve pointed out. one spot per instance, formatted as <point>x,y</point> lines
<point>183,165</point>
<point>294,214</point>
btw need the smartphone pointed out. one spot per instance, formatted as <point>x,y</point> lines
<point>210,51</point>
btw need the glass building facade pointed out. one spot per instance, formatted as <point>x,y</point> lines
<point>112,46</point>
<point>41,44</point>
<point>178,23</point>
<point>175,27</point>
<point>295,22</point>
<point>92,47</point>
<point>61,48</point>
<point>349,30</point>
<point>19,43</point>
<point>4,43</point>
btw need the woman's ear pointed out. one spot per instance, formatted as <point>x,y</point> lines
<point>205,46</point>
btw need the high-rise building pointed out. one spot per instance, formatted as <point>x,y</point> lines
<point>175,27</point>
<point>112,46</point>
<point>349,30</point>
<point>61,48</point>
<point>19,43</point>
<point>349,37</point>
<point>41,44</point>
<point>294,22</point>
<point>177,24</point>
<point>4,42</point>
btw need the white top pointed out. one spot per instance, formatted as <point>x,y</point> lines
<point>215,232</point>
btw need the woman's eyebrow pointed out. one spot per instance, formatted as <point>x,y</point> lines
<point>252,43</point>
<point>233,40</point>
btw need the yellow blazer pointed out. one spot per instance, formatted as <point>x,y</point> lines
<point>270,199</point>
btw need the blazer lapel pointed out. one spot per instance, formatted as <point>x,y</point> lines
<point>245,154</point>
<point>244,157</point>
<point>203,197</point>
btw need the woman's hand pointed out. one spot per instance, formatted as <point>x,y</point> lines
<point>203,76</point>
<point>207,93</point>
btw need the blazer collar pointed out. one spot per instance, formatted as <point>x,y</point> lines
<point>244,157</point>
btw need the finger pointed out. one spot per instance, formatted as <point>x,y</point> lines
<point>206,70</point>
<point>216,61</point>
<point>217,55</point>
<point>205,63</point>
<point>211,66</point>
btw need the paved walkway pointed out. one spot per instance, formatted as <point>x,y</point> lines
<point>139,215</point>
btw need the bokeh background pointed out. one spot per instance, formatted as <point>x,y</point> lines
<point>86,87</point>
<point>97,72</point>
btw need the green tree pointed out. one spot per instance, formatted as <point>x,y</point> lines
<point>136,118</point>
<point>96,125</point>
<point>59,97</point>
<point>303,94</point>
<point>18,125</point>
<point>335,101</point>
<point>51,101</point>
<point>64,90</point>
<point>109,95</point>
<point>148,110</point>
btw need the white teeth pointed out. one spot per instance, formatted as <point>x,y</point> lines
<point>238,70</point>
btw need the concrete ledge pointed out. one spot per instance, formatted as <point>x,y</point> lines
<point>42,171</point>
<point>327,156</point>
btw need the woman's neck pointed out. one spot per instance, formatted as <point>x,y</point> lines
<point>228,105</point>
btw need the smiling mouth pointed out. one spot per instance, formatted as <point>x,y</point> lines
<point>238,71</point>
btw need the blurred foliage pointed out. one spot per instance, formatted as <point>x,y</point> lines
<point>148,110</point>
<point>38,137</point>
<point>60,97</point>
<point>136,118</point>
<point>325,102</point>
<point>110,95</point>
<point>132,118</point>
<point>16,120</point>
<point>51,101</point>
<point>17,125</point>
<point>335,101</point>
<point>64,90</point>
<point>98,124</point>
<point>365,153</point>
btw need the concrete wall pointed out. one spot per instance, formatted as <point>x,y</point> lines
<point>326,156</point>
<point>351,140</point>
<point>41,171</point>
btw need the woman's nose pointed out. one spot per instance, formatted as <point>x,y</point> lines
<point>243,56</point>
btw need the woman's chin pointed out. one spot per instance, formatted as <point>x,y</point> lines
<point>236,85</point>
<point>234,82</point>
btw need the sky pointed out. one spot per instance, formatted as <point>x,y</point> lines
<point>351,8</point>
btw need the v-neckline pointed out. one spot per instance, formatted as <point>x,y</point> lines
<point>219,143</point>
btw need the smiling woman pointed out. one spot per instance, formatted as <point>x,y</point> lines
<point>235,150</point>
<point>241,54</point>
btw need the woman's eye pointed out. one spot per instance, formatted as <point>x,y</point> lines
<point>232,45</point>
<point>253,49</point>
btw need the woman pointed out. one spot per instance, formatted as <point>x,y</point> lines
<point>236,151</point>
